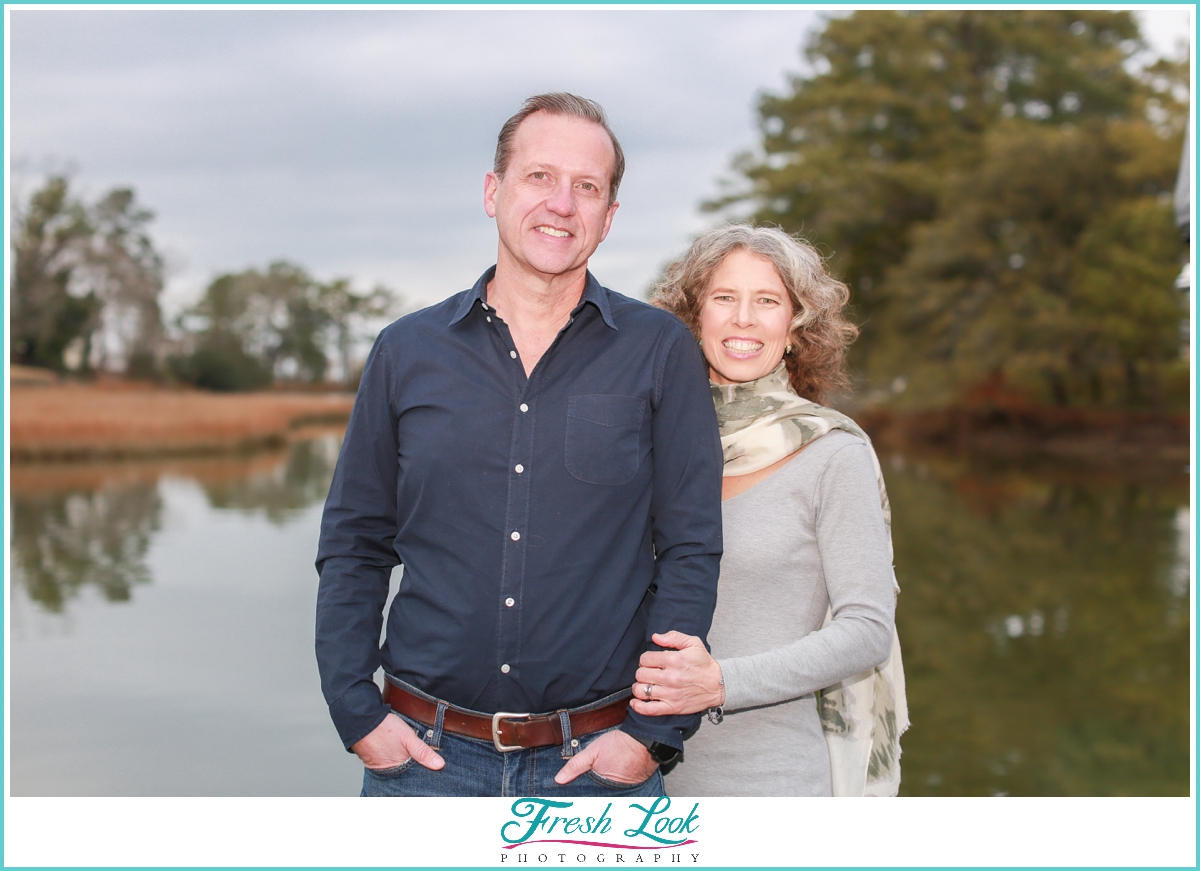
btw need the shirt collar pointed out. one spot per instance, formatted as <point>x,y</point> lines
<point>593,292</point>
<point>478,293</point>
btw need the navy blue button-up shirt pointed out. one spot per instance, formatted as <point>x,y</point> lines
<point>547,525</point>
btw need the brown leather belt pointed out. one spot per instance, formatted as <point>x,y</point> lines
<point>506,731</point>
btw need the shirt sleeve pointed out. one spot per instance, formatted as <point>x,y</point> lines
<point>685,512</point>
<point>356,555</point>
<point>856,560</point>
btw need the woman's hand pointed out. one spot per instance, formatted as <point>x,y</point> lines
<point>682,680</point>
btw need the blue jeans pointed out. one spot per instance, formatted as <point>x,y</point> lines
<point>476,768</point>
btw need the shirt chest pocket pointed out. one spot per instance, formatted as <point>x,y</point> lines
<point>603,437</point>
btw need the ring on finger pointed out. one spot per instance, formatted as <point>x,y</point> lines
<point>648,690</point>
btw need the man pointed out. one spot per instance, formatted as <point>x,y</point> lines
<point>541,454</point>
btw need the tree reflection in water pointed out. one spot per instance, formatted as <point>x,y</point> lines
<point>90,525</point>
<point>300,480</point>
<point>1045,613</point>
<point>1045,622</point>
<point>65,541</point>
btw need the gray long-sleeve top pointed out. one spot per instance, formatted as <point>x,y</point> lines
<point>810,536</point>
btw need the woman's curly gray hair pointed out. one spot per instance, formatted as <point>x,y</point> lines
<point>819,333</point>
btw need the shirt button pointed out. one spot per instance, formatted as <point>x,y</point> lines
<point>519,468</point>
<point>510,601</point>
<point>484,304</point>
<point>524,408</point>
<point>512,354</point>
<point>504,669</point>
<point>489,320</point>
<point>516,536</point>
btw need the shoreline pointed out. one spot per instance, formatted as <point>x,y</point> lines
<point>51,423</point>
<point>98,422</point>
<point>1142,439</point>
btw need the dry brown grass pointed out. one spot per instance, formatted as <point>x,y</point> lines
<point>75,421</point>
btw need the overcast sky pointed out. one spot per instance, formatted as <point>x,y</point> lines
<point>354,142</point>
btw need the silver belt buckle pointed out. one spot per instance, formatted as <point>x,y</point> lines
<point>496,718</point>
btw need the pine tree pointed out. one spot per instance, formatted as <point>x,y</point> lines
<point>994,186</point>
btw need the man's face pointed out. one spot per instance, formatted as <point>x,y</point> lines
<point>551,207</point>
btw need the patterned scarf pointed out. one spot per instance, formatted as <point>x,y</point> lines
<point>762,422</point>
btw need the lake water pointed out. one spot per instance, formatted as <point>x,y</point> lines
<point>161,613</point>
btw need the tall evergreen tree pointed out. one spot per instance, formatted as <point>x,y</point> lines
<point>964,169</point>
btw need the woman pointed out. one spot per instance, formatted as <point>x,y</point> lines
<point>807,592</point>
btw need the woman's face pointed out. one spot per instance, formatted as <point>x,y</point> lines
<point>744,319</point>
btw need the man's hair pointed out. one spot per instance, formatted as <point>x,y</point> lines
<point>569,105</point>
<point>819,332</point>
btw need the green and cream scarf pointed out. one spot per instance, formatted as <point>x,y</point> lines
<point>762,422</point>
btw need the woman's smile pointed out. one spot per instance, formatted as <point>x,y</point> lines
<point>740,347</point>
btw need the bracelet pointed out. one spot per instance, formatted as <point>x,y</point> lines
<point>717,714</point>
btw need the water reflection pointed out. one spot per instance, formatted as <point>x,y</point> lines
<point>90,525</point>
<point>63,541</point>
<point>1045,618</point>
<point>172,602</point>
<point>301,480</point>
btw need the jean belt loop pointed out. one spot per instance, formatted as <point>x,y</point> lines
<point>569,744</point>
<point>435,739</point>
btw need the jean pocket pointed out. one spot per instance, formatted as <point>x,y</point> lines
<point>394,771</point>
<point>616,784</point>
<point>603,441</point>
<point>397,770</point>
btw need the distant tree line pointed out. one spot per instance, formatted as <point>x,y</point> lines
<point>995,187</point>
<point>252,328</point>
<point>86,287</point>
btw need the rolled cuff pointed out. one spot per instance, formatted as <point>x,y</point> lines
<point>665,730</point>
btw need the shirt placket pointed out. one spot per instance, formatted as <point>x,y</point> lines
<point>517,510</point>
<point>516,520</point>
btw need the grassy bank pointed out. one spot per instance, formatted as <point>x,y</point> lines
<point>117,421</point>
<point>112,421</point>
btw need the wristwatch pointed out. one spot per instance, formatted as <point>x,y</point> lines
<point>659,752</point>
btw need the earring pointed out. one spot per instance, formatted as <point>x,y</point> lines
<point>788,349</point>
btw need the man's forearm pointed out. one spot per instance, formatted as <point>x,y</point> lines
<point>687,517</point>
<point>350,602</point>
